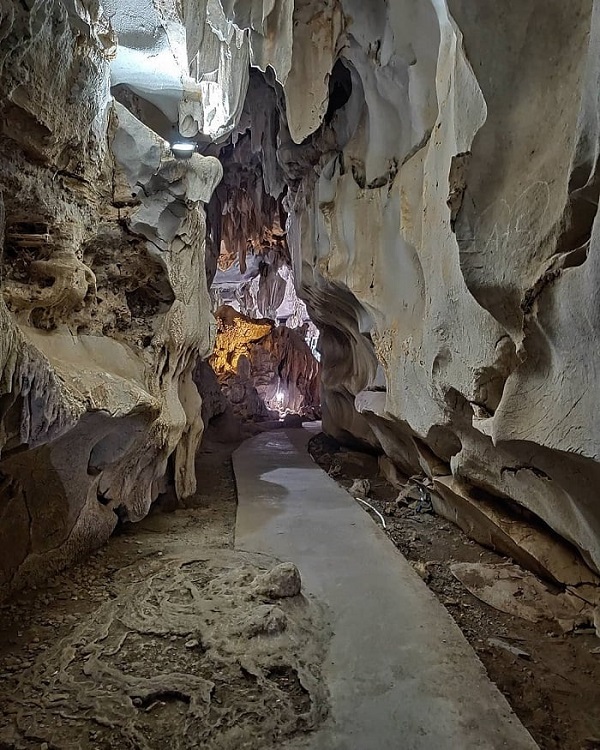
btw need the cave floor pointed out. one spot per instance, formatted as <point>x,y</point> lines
<point>398,669</point>
<point>551,679</point>
<point>159,641</point>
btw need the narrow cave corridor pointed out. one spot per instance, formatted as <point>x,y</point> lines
<point>266,355</point>
<point>297,449</point>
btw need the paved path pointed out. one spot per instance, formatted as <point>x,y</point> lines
<point>400,673</point>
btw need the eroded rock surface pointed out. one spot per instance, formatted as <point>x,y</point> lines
<point>442,193</point>
<point>437,162</point>
<point>104,307</point>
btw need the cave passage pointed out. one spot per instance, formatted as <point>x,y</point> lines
<point>394,651</point>
<point>266,356</point>
<point>299,355</point>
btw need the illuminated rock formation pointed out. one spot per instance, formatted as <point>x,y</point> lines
<point>265,370</point>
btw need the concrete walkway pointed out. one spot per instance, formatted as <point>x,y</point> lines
<point>400,673</point>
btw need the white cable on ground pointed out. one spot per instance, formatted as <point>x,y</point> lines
<point>364,502</point>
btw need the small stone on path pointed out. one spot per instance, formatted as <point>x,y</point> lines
<point>280,582</point>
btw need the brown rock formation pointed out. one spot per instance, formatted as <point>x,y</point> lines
<point>264,370</point>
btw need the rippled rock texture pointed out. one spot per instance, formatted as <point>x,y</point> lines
<point>439,161</point>
<point>104,308</point>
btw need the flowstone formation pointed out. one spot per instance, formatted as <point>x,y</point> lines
<point>104,307</point>
<point>438,161</point>
<point>264,370</point>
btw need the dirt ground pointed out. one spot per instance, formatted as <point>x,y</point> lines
<point>556,691</point>
<point>163,640</point>
<point>159,641</point>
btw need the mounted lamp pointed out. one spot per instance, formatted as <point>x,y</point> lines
<point>182,149</point>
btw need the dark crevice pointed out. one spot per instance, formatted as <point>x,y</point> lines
<point>122,513</point>
<point>102,497</point>
<point>164,696</point>
<point>515,469</point>
<point>531,295</point>
<point>340,90</point>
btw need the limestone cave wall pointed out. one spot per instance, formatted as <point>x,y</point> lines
<point>438,160</point>
<point>104,306</point>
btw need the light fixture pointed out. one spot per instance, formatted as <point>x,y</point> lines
<point>183,149</point>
